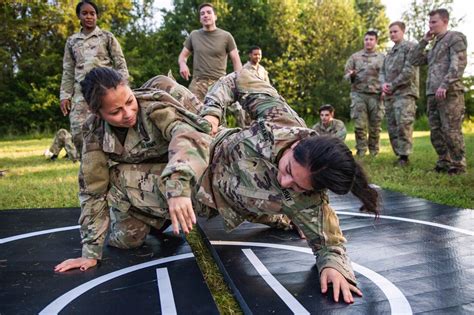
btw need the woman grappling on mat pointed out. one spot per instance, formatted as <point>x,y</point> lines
<point>143,152</point>
<point>279,166</point>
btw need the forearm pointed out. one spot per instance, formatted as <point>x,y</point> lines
<point>94,221</point>
<point>417,56</point>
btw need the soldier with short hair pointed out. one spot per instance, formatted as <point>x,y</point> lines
<point>91,47</point>
<point>253,64</point>
<point>446,60</point>
<point>210,47</point>
<point>399,83</point>
<point>143,154</point>
<point>279,166</point>
<point>328,125</point>
<point>362,70</point>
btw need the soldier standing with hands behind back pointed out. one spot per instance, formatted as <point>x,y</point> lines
<point>399,80</point>
<point>446,62</point>
<point>362,70</point>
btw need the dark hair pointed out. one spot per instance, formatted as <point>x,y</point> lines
<point>206,4</point>
<point>327,107</point>
<point>372,33</point>
<point>399,24</point>
<point>80,4</point>
<point>252,48</point>
<point>96,83</point>
<point>332,166</point>
<point>443,13</point>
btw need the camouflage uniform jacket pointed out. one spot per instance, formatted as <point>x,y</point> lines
<point>241,179</point>
<point>86,52</point>
<point>367,66</point>
<point>335,128</point>
<point>398,71</point>
<point>446,61</point>
<point>259,71</point>
<point>164,133</point>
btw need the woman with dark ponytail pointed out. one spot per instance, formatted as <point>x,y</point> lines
<point>279,166</point>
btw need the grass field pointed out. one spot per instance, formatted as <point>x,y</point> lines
<point>30,181</point>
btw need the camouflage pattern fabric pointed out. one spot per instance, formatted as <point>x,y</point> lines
<point>63,139</point>
<point>400,112</point>
<point>83,53</point>
<point>398,72</point>
<point>241,180</point>
<point>335,128</point>
<point>400,105</point>
<point>367,66</point>
<point>445,118</point>
<point>367,111</point>
<point>258,70</point>
<point>163,156</point>
<point>446,60</point>
<point>200,86</point>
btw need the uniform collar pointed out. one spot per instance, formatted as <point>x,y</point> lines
<point>111,143</point>
<point>95,32</point>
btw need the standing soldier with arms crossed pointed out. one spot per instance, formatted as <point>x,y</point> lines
<point>399,80</point>
<point>210,46</point>
<point>90,48</point>
<point>446,62</point>
<point>362,70</point>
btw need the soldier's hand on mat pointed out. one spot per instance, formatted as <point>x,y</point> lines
<point>65,106</point>
<point>339,285</point>
<point>214,121</point>
<point>81,263</point>
<point>441,93</point>
<point>181,214</point>
<point>184,71</point>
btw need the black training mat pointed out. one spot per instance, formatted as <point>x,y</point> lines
<point>417,258</point>
<point>161,277</point>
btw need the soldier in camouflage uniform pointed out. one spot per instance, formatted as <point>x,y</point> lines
<point>62,139</point>
<point>253,64</point>
<point>143,153</point>
<point>446,60</point>
<point>90,48</point>
<point>275,167</point>
<point>399,80</point>
<point>362,70</point>
<point>328,125</point>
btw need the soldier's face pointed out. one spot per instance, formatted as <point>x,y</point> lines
<point>438,25</point>
<point>255,56</point>
<point>291,174</point>
<point>88,16</point>
<point>207,17</point>
<point>119,107</point>
<point>370,41</point>
<point>396,34</point>
<point>325,116</point>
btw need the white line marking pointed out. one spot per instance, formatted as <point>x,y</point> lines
<point>443,226</point>
<point>398,302</point>
<point>165,292</point>
<point>280,290</point>
<point>26,235</point>
<point>57,305</point>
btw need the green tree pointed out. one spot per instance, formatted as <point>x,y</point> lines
<point>374,18</point>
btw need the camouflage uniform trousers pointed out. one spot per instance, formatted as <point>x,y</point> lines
<point>63,139</point>
<point>77,118</point>
<point>367,111</point>
<point>445,118</point>
<point>136,203</point>
<point>400,112</point>
<point>200,86</point>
